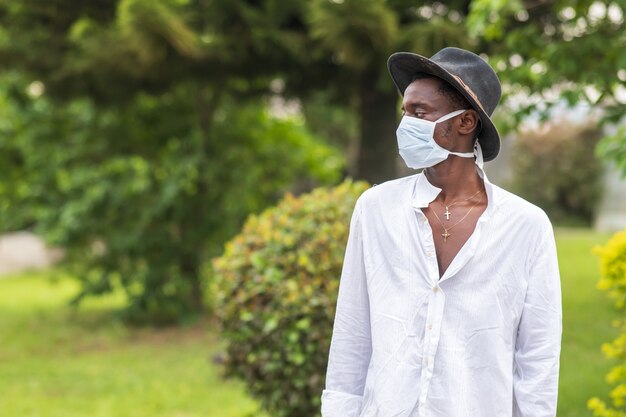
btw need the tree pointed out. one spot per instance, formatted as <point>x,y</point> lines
<point>547,50</point>
<point>554,51</point>
<point>140,200</point>
<point>131,152</point>
<point>123,188</point>
<point>359,36</point>
<point>613,148</point>
<point>341,47</point>
<point>544,51</point>
<point>211,57</point>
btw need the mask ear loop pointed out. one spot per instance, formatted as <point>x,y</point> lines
<point>450,115</point>
<point>479,161</point>
<point>478,153</point>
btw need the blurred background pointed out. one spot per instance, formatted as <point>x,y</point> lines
<point>177,178</point>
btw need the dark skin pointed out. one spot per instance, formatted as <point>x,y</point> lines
<point>456,176</point>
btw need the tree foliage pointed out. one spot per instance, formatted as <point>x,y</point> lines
<point>613,149</point>
<point>549,52</point>
<point>147,144</point>
<point>122,61</point>
<point>543,51</point>
<point>140,200</point>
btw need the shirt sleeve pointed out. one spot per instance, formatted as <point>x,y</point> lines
<point>351,346</point>
<point>538,346</point>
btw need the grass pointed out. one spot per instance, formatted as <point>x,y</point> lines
<point>587,317</point>
<point>55,361</point>
<point>58,362</point>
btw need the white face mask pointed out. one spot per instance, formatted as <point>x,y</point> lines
<point>417,145</point>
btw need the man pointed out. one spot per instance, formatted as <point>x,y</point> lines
<point>449,303</point>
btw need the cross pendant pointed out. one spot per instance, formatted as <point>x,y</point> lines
<point>445,235</point>
<point>447,213</point>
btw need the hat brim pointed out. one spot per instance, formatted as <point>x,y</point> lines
<point>403,66</point>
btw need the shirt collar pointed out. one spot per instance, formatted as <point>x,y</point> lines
<point>424,192</point>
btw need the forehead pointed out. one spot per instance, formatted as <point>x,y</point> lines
<point>425,92</point>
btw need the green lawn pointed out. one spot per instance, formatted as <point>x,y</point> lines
<point>55,362</point>
<point>587,317</point>
<point>58,362</point>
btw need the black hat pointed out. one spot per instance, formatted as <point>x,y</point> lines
<point>465,71</point>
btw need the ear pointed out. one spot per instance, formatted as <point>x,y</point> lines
<point>469,122</point>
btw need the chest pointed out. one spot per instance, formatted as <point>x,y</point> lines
<point>451,229</point>
<point>404,248</point>
<point>485,273</point>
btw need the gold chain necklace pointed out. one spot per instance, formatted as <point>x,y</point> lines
<point>447,212</point>
<point>446,230</point>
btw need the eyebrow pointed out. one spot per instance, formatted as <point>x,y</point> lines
<point>414,104</point>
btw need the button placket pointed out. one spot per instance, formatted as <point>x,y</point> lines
<point>431,342</point>
<point>434,311</point>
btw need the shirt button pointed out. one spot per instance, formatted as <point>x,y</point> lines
<point>429,253</point>
<point>429,327</point>
<point>435,288</point>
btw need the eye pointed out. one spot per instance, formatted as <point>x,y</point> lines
<point>414,112</point>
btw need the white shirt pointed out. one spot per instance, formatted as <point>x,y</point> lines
<point>482,341</point>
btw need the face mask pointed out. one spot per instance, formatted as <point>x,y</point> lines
<point>417,145</point>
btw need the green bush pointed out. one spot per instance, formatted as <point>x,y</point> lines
<point>556,168</point>
<point>277,288</point>
<point>613,280</point>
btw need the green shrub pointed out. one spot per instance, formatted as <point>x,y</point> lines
<point>277,288</point>
<point>556,168</point>
<point>613,280</point>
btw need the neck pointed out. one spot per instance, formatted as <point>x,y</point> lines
<point>456,176</point>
